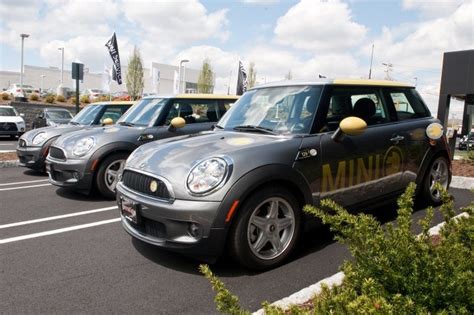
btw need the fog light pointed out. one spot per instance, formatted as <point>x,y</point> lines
<point>75,175</point>
<point>194,230</point>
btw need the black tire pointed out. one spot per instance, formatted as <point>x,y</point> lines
<point>103,183</point>
<point>438,171</point>
<point>243,238</point>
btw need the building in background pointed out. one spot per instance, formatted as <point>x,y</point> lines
<point>159,79</point>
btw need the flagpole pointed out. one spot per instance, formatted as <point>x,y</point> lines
<point>371,59</point>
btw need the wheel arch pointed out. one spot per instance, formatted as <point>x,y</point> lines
<point>429,157</point>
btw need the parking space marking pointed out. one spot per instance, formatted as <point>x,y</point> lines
<point>51,232</point>
<point>75,214</point>
<point>24,187</point>
<point>25,182</point>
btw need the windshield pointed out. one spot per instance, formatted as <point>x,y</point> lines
<point>276,110</point>
<point>58,115</point>
<point>144,112</point>
<point>87,116</point>
<point>5,111</point>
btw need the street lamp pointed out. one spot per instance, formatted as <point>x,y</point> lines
<point>179,73</point>
<point>23,36</point>
<point>62,64</point>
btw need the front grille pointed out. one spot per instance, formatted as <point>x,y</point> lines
<point>22,143</point>
<point>8,127</point>
<point>57,153</point>
<point>143,184</point>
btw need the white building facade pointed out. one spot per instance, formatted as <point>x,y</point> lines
<point>159,79</point>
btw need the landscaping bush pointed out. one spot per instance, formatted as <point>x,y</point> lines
<point>5,96</point>
<point>34,97</point>
<point>60,98</point>
<point>73,99</point>
<point>85,99</point>
<point>470,156</point>
<point>393,271</point>
<point>50,98</point>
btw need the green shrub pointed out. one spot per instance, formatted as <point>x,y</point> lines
<point>85,99</point>
<point>50,98</point>
<point>5,96</point>
<point>470,156</point>
<point>34,97</point>
<point>60,98</point>
<point>393,271</point>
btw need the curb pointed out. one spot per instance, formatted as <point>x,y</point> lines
<point>462,182</point>
<point>11,163</point>
<point>308,293</point>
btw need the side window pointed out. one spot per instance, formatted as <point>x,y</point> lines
<point>364,103</point>
<point>408,105</point>
<point>112,112</point>
<point>194,111</point>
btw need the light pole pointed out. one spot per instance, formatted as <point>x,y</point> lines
<point>23,36</point>
<point>179,73</point>
<point>42,81</point>
<point>62,64</point>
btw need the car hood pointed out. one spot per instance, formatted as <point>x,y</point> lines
<point>102,135</point>
<point>51,132</point>
<point>14,119</point>
<point>173,158</point>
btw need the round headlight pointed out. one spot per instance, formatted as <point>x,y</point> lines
<point>207,175</point>
<point>83,146</point>
<point>39,138</point>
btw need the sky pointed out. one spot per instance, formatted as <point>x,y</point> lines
<point>333,38</point>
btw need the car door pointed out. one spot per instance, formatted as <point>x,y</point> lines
<point>199,115</point>
<point>412,118</point>
<point>356,168</point>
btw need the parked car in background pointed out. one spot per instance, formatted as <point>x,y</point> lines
<point>46,92</point>
<point>123,96</point>
<point>51,117</point>
<point>15,90</point>
<point>33,146</point>
<point>281,146</point>
<point>466,142</point>
<point>92,159</point>
<point>11,123</point>
<point>93,94</point>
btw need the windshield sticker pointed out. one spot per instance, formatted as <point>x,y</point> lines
<point>240,141</point>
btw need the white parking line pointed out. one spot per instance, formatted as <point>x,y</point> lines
<point>26,182</point>
<point>75,214</point>
<point>24,187</point>
<point>67,229</point>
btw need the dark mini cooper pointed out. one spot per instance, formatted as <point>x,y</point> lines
<point>280,147</point>
<point>93,158</point>
<point>33,146</point>
<point>51,117</point>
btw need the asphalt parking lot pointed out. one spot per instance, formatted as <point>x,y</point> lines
<point>7,144</point>
<point>65,252</point>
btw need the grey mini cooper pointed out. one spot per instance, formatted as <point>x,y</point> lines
<point>281,146</point>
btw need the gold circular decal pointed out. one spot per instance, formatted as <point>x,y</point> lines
<point>153,186</point>
<point>392,161</point>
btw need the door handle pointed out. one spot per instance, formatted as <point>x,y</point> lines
<point>397,139</point>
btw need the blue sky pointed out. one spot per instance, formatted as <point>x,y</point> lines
<point>307,37</point>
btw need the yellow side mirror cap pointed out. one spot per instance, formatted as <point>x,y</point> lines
<point>178,122</point>
<point>353,126</point>
<point>107,121</point>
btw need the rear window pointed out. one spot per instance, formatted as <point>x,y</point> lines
<point>408,104</point>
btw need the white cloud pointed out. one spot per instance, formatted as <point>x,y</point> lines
<point>260,2</point>
<point>319,26</point>
<point>433,8</point>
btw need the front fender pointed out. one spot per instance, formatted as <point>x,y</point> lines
<point>108,149</point>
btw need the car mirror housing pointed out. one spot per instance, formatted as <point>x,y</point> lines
<point>351,126</point>
<point>107,121</point>
<point>177,122</point>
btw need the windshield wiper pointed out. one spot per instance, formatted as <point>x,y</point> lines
<point>255,128</point>
<point>218,127</point>
<point>126,123</point>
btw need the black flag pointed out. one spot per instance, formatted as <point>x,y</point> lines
<point>114,53</point>
<point>241,80</point>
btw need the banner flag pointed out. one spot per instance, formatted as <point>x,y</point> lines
<point>176,82</point>
<point>241,80</point>
<point>114,54</point>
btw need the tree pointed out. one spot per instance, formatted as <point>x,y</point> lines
<point>135,81</point>
<point>252,77</point>
<point>289,75</point>
<point>206,78</point>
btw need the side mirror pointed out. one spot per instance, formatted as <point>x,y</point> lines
<point>351,126</point>
<point>107,121</point>
<point>176,123</point>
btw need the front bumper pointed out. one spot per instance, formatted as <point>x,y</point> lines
<point>73,174</point>
<point>168,224</point>
<point>32,157</point>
